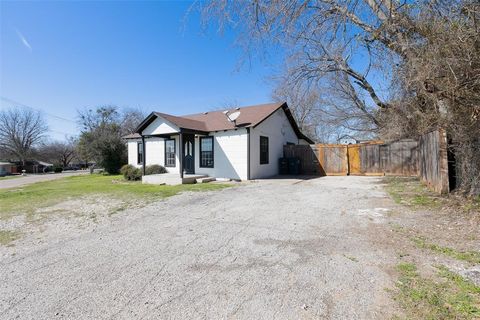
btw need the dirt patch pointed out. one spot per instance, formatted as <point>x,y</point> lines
<point>437,246</point>
<point>447,221</point>
<point>61,219</point>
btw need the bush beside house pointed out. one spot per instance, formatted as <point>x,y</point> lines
<point>155,169</point>
<point>132,173</point>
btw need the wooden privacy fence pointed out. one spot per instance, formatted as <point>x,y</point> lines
<point>372,158</point>
<point>434,161</point>
<point>319,159</point>
<point>426,158</point>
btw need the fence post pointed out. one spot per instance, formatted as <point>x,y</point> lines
<point>443,162</point>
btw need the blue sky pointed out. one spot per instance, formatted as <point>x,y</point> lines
<point>63,56</point>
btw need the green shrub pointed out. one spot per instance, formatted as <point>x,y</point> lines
<point>57,169</point>
<point>125,168</point>
<point>155,169</point>
<point>113,155</point>
<point>131,173</point>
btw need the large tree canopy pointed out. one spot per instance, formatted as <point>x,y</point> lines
<point>393,68</point>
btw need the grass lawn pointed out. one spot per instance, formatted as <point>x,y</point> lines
<point>43,194</point>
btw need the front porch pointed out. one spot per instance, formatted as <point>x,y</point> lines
<point>175,179</point>
<point>179,157</point>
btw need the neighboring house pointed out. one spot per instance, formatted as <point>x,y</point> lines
<point>209,144</point>
<point>348,141</point>
<point>33,166</point>
<point>6,168</point>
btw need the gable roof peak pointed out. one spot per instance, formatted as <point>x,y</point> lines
<point>211,121</point>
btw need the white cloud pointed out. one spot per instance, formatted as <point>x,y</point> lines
<point>23,40</point>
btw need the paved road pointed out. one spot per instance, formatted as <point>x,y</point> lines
<point>32,178</point>
<point>278,249</point>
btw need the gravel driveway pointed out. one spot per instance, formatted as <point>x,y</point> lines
<point>33,178</point>
<point>273,249</point>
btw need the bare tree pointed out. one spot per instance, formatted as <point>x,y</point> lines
<point>444,77</point>
<point>131,118</point>
<point>327,113</point>
<point>401,68</point>
<point>58,152</point>
<point>306,106</point>
<point>89,119</point>
<point>21,129</point>
<point>321,37</point>
<point>127,119</point>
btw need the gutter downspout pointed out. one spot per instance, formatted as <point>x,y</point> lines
<point>180,153</point>
<point>248,153</point>
<point>144,160</point>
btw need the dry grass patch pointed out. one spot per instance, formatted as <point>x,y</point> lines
<point>29,199</point>
<point>72,199</point>
<point>8,236</point>
<point>410,191</point>
<point>469,256</point>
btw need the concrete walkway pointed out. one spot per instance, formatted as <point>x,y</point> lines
<point>32,178</point>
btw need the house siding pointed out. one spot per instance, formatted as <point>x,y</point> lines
<point>132,152</point>
<point>160,126</point>
<point>230,155</point>
<point>155,153</point>
<point>279,132</point>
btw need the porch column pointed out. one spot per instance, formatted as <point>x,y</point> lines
<point>180,154</point>
<point>144,160</point>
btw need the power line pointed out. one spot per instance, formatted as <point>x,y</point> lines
<point>36,109</point>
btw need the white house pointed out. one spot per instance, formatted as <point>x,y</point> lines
<point>211,144</point>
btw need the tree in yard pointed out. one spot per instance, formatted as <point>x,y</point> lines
<point>130,119</point>
<point>394,68</point>
<point>21,130</point>
<point>324,41</point>
<point>101,138</point>
<point>321,113</point>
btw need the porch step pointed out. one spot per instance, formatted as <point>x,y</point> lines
<point>205,180</point>
<point>171,178</point>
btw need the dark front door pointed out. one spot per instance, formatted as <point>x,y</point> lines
<point>188,153</point>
